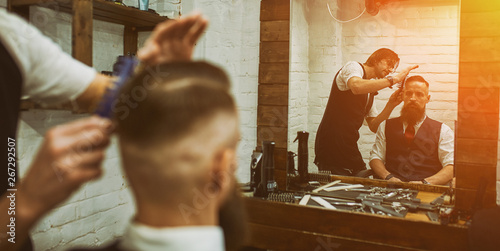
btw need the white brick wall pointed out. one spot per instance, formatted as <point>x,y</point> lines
<point>99,211</point>
<point>425,33</point>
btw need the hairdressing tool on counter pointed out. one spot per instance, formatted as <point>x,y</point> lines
<point>303,155</point>
<point>281,197</point>
<point>267,183</point>
<point>255,169</point>
<point>123,70</point>
<point>321,176</point>
<point>326,186</point>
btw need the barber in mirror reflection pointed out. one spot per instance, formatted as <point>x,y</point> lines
<point>349,104</point>
<point>414,147</point>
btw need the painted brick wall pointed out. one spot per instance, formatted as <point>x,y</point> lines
<point>424,33</point>
<point>98,212</point>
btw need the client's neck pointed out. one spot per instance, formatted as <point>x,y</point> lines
<point>176,215</point>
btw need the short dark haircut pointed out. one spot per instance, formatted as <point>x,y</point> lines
<point>173,98</point>
<point>416,78</point>
<point>381,54</point>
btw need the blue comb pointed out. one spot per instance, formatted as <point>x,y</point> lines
<point>123,69</point>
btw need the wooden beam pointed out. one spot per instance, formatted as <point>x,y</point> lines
<point>130,37</point>
<point>276,134</point>
<point>273,73</point>
<point>272,10</point>
<point>82,28</point>
<point>275,30</point>
<point>273,94</point>
<point>477,174</point>
<point>274,116</point>
<point>274,52</point>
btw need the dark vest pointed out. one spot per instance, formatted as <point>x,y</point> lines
<point>10,95</point>
<point>419,159</point>
<point>337,136</point>
<point>112,247</point>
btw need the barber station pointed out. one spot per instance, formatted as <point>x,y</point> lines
<point>252,125</point>
<point>301,205</point>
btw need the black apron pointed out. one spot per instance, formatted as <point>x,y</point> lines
<point>10,98</point>
<point>336,145</point>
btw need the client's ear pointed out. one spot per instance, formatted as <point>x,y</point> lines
<point>223,172</point>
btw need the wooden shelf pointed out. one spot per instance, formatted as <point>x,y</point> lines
<point>84,12</point>
<point>104,11</point>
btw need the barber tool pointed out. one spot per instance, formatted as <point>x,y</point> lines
<point>255,168</point>
<point>281,197</point>
<point>377,206</point>
<point>326,186</point>
<point>321,176</point>
<point>433,216</point>
<point>123,69</point>
<point>303,155</point>
<point>291,173</point>
<point>305,199</point>
<point>347,187</point>
<point>290,163</point>
<point>323,202</point>
<point>267,182</point>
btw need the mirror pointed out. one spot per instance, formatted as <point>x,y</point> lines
<point>325,35</point>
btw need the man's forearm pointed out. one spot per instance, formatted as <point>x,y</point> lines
<point>373,123</point>
<point>90,98</point>
<point>379,168</point>
<point>442,177</point>
<point>364,86</point>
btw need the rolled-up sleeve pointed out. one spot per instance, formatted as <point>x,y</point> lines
<point>379,147</point>
<point>49,75</point>
<point>446,146</point>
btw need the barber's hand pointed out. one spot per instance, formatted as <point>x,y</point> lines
<point>400,77</point>
<point>394,179</point>
<point>396,98</point>
<point>70,155</point>
<point>173,40</point>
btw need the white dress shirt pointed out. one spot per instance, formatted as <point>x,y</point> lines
<point>445,148</point>
<point>146,238</point>
<point>49,75</point>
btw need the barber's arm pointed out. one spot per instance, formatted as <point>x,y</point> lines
<point>395,99</point>
<point>377,156</point>
<point>364,86</point>
<point>70,155</point>
<point>172,40</point>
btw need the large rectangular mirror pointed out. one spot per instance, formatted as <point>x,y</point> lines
<point>325,35</point>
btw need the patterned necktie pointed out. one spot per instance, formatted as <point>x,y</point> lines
<point>409,134</point>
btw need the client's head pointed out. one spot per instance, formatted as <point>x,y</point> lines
<point>178,144</point>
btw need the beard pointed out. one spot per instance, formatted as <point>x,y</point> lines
<point>411,113</point>
<point>233,220</point>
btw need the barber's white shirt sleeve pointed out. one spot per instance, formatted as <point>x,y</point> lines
<point>351,69</point>
<point>379,147</point>
<point>49,75</point>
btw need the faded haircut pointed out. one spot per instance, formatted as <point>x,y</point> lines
<point>174,97</point>
<point>416,78</point>
<point>181,101</point>
<point>381,54</point>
